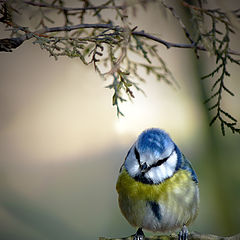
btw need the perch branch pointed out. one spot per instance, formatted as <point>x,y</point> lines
<point>191,236</point>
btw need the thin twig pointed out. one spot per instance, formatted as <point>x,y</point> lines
<point>99,7</point>
<point>176,45</point>
<point>172,10</point>
<point>74,27</point>
<point>67,29</point>
<point>44,5</point>
<point>209,12</point>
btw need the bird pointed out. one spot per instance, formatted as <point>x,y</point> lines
<point>157,186</point>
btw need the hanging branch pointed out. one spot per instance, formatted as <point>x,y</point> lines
<point>219,41</point>
<point>110,43</point>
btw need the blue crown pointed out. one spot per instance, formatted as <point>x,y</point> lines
<point>154,139</point>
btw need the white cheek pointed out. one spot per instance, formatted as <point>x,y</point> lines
<point>131,164</point>
<point>172,161</point>
<point>135,169</point>
<point>132,167</point>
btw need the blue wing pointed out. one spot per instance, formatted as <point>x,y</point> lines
<point>183,163</point>
<point>187,166</point>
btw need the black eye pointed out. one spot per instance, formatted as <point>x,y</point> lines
<point>137,155</point>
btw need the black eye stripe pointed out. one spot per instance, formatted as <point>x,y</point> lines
<point>137,155</point>
<point>159,162</point>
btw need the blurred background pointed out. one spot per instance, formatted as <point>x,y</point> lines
<point>62,144</point>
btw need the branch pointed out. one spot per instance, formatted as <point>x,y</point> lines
<point>44,5</point>
<point>87,41</point>
<point>99,7</point>
<point>42,31</point>
<point>191,236</point>
<point>176,45</point>
<point>172,10</point>
<point>71,28</point>
<point>209,12</point>
<point>7,44</point>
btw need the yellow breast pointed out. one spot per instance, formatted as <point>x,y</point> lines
<point>126,185</point>
<point>177,197</point>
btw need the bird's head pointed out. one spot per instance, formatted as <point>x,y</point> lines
<point>152,158</point>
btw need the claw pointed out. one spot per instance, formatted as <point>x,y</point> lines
<point>183,234</point>
<point>139,235</point>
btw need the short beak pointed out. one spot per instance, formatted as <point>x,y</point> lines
<point>143,167</point>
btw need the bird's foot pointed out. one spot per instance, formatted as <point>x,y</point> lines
<point>139,235</point>
<point>183,234</point>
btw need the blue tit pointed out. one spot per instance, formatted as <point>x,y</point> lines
<point>157,186</point>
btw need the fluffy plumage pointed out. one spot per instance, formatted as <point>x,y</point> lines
<point>157,185</point>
